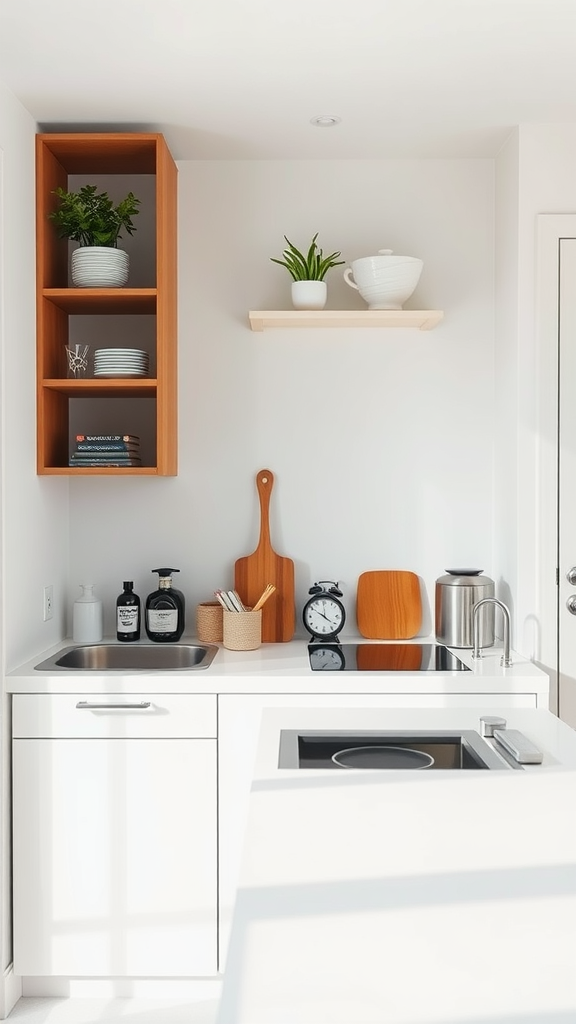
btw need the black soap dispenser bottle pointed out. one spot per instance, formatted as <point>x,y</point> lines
<point>165,609</point>
<point>128,614</point>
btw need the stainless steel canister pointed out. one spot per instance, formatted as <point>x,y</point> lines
<point>456,595</point>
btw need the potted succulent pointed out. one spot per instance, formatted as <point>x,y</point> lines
<point>90,218</point>
<point>309,290</point>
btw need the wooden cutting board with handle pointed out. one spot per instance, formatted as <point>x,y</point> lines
<point>389,604</point>
<point>253,572</point>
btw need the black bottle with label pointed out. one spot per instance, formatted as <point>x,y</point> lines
<point>165,610</point>
<point>128,614</point>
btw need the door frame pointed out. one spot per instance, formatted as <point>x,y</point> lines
<point>551,230</point>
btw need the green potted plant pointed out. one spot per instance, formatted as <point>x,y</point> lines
<point>309,290</point>
<point>90,218</point>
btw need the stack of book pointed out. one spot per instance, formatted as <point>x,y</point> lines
<point>106,450</point>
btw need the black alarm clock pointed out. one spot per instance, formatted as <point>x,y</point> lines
<point>324,614</point>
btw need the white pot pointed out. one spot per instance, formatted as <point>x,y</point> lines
<point>98,266</point>
<point>309,294</point>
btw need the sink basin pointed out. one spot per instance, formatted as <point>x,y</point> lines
<point>130,658</point>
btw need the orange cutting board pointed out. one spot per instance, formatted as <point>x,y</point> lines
<point>389,604</point>
<point>253,572</point>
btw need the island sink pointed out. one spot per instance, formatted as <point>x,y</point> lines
<point>130,658</point>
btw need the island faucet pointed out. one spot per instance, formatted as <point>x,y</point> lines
<point>505,660</point>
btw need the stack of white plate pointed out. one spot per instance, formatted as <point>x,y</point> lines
<point>121,362</point>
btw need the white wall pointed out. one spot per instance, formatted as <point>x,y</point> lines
<point>506,361</point>
<point>29,537</point>
<point>34,509</point>
<point>381,441</point>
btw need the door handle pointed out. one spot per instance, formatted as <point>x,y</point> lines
<point>571,604</point>
<point>85,705</point>
<point>571,576</point>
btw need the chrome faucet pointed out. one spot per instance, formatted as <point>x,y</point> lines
<point>505,660</point>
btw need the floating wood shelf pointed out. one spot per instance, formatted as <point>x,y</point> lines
<point>421,319</point>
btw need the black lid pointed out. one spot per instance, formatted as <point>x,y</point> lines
<point>165,572</point>
<point>128,584</point>
<point>464,572</point>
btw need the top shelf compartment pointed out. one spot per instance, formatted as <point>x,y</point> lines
<point>422,320</point>
<point>68,161</point>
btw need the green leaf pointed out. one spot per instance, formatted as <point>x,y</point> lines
<point>327,263</point>
<point>310,267</point>
<point>90,217</point>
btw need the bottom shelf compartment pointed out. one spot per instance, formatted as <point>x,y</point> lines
<point>65,418</point>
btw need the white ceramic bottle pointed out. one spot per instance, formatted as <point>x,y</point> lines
<point>87,617</point>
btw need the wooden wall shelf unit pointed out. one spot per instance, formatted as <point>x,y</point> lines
<point>422,320</point>
<point>58,156</point>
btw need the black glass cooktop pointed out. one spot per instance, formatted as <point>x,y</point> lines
<point>383,658</point>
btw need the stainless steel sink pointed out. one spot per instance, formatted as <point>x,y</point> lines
<point>130,658</point>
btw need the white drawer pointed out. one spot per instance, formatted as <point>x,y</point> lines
<point>113,716</point>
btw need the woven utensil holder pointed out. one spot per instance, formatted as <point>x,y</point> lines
<point>242,630</point>
<point>209,622</point>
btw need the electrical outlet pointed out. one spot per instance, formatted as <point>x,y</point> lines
<point>48,602</point>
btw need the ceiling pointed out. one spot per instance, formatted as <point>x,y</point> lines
<point>241,79</point>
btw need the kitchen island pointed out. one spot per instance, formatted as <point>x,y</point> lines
<point>407,897</point>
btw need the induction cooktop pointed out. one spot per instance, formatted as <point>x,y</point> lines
<point>434,749</point>
<point>361,657</point>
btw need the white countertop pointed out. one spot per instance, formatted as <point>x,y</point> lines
<point>437,897</point>
<point>262,670</point>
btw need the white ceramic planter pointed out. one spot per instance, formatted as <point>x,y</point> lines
<point>309,294</point>
<point>97,266</point>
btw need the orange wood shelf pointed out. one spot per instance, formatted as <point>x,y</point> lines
<point>105,471</point>
<point>93,388</point>
<point>57,157</point>
<point>88,301</point>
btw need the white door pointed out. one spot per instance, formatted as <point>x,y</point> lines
<point>115,857</point>
<point>567,481</point>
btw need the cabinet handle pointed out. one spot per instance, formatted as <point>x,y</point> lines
<point>85,705</point>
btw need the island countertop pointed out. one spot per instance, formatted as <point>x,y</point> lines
<point>273,667</point>
<point>407,897</point>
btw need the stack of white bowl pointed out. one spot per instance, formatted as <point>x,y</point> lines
<point>121,362</point>
<point>99,266</point>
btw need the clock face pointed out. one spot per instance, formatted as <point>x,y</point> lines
<point>323,616</point>
<point>326,659</point>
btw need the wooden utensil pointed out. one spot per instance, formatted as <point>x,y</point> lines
<point>253,572</point>
<point>270,588</point>
<point>389,604</point>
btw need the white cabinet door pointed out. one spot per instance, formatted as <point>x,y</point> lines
<point>115,857</point>
<point>567,483</point>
